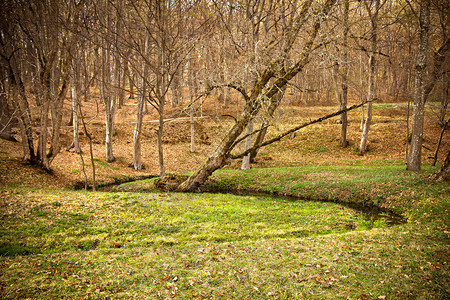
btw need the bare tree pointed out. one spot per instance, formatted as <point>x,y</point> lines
<point>344,85</point>
<point>372,72</point>
<point>35,40</point>
<point>262,89</point>
<point>75,93</point>
<point>142,91</point>
<point>415,152</point>
<point>159,36</point>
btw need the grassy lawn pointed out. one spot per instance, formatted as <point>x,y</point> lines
<point>74,244</point>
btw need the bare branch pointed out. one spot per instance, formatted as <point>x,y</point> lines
<point>280,136</point>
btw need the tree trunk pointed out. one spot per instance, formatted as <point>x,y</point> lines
<point>340,95</point>
<point>248,144</point>
<point>220,155</point>
<point>444,172</point>
<point>176,87</point>
<point>6,116</point>
<point>108,98</point>
<point>131,81</point>
<point>444,99</point>
<point>75,93</point>
<point>372,74</point>
<point>109,130</point>
<point>57,105</point>
<point>23,112</point>
<point>45,108</point>
<point>192,92</point>
<point>137,152</point>
<point>162,171</point>
<point>415,151</point>
<point>75,123</point>
<point>344,85</point>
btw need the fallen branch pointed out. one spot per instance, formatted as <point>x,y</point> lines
<point>280,136</point>
<point>172,119</point>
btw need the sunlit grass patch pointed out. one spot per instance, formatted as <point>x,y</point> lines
<point>388,186</point>
<point>110,220</point>
<point>401,262</point>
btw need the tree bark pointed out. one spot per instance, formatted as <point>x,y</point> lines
<point>248,142</point>
<point>372,74</point>
<point>344,85</point>
<point>137,152</point>
<point>192,92</point>
<point>57,105</point>
<point>75,123</point>
<point>22,108</point>
<point>45,79</point>
<point>75,103</point>
<point>444,99</point>
<point>415,151</point>
<point>108,98</point>
<point>6,116</point>
<point>159,141</point>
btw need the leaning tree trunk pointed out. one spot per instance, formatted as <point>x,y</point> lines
<point>415,151</point>
<point>260,91</point>
<point>220,156</point>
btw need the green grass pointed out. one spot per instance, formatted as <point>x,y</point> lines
<point>74,244</point>
<point>380,184</point>
<point>104,220</point>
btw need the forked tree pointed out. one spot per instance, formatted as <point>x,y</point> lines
<point>268,82</point>
<point>34,40</point>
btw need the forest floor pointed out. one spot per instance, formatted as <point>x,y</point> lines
<point>133,241</point>
<point>318,144</point>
